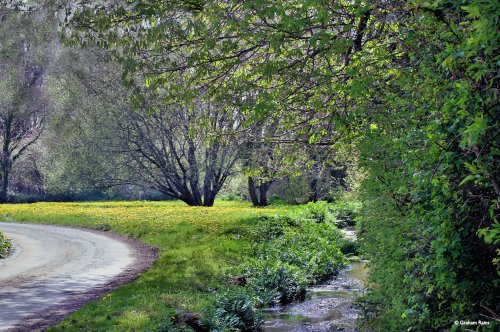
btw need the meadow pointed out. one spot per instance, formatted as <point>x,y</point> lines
<point>197,247</point>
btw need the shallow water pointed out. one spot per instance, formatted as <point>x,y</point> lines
<point>327,307</point>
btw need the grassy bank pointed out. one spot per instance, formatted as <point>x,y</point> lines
<point>280,251</point>
<point>197,246</point>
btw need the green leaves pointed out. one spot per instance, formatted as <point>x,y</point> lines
<point>474,132</point>
<point>5,246</point>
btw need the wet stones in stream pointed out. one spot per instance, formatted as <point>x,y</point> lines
<point>327,307</point>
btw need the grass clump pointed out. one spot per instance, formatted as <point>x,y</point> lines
<point>233,309</point>
<point>5,246</point>
<point>276,282</point>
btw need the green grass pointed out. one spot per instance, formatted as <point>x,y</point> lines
<point>5,246</point>
<point>197,246</point>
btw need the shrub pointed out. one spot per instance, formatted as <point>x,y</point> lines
<point>304,243</point>
<point>345,213</point>
<point>349,247</point>
<point>5,246</point>
<point>294,250</point>
<point>233,309</point>
<point>270,228</point>
<point>276,282</point>
<point>312,247</point>
<point>319,212</point>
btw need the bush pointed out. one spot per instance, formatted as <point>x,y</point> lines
<point>318,211</point>
<point>294,250</point>
<point>349,247</point>
<point>312,247</point>
<point>233,310</point>
<point>276,282</point>
<point>345,213</point>
<point>270,228</point>
<point>5,246</point>
<point>277,200</point>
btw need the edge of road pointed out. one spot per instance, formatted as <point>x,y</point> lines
<point>143,254</point>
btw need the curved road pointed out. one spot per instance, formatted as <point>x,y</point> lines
<point>54,270</point>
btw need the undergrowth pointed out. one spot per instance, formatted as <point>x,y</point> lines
<point>5,246</point>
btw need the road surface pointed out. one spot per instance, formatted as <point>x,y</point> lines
<point>55,270</point>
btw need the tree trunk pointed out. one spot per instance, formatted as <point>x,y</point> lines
<point>5,160</point>
<point>313,184</point>
<point>263,188</point>
<point>5,181</point>
<point>209,197</point>
<point>252,190</point>
<point>313,196</point>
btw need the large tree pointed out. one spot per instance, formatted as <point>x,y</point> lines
<point>24,57</point>
<point>186,152</point>
<point>87,97</point>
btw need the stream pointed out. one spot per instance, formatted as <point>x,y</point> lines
<point>327,307</point>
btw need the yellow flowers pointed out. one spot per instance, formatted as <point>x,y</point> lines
<point>134,218</point>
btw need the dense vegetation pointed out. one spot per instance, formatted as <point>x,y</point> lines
<point>5,246</point>
<point>413,86</point>
<point>300,99</point>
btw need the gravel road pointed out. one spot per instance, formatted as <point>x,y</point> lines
<point>55,270</point>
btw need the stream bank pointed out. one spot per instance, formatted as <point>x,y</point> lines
<point>327,307</point>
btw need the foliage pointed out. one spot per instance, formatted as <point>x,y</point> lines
<point>233,310</point>
<point>350,247</point>
<point>345,212</point>
<point>411,85</point>
<point>272,227</point>
<point>24,57</point>
<point>292,250</point>
<point>275,281</point>
<point>85,95</point>
<point>318,211</point>
<point>5,246</point>
<point>312,247</point>
<point>432,166</point>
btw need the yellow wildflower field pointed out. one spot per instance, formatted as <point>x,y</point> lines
<point>132,218</point>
